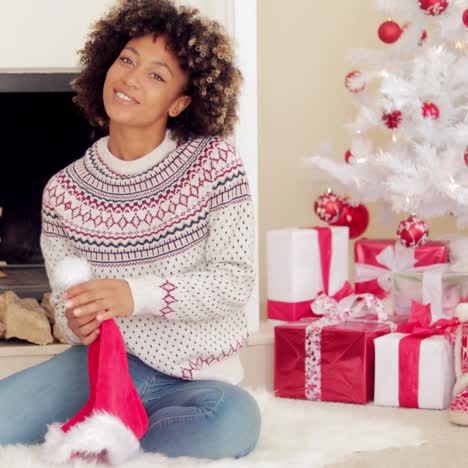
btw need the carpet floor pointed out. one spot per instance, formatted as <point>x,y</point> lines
<point>298,433</point>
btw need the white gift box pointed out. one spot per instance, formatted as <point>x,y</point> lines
<point>294,268</point>
<point>434,376</point>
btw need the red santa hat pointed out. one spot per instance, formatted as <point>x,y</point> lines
<point>111,423</point>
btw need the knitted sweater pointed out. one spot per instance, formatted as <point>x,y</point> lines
<point>177,224</point>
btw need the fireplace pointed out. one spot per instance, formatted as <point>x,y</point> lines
<point>42,133</point>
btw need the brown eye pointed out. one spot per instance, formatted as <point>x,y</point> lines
<point>125,60</point>
<point>156,76</point>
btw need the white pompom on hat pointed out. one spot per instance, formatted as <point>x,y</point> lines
<point>71,271</point>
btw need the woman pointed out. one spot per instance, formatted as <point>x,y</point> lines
<point>161,209</point>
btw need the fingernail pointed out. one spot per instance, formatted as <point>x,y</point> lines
<point>65,295</point>
<point>77,312</point>
<point>68,304</point>
<point>99,317</point>
<point>97,331</point>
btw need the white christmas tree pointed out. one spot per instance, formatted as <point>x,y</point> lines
<point>417,90</point>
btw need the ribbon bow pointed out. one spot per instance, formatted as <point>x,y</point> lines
<point>419,323</point>
<point>350,307</point>
<point>395,259</point>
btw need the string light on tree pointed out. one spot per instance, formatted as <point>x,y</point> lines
<point>430,110</point>
<point>433,7</point>
<point>389,31</point>
<point>354,82</point>
<point>328,207</point>
<point>392,119</point>
<point>413,231</point>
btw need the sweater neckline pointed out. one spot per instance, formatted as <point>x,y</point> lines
<point>139,165</point>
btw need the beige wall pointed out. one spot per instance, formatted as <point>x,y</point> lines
<point>302,50</point>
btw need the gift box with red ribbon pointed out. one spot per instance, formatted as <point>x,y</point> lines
<point>302,263</point>
<point>414,367</point>
<point>378,260</point>
<point>443,291</point>
<point>330,358</point>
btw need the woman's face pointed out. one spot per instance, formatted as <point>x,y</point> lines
<point>145,85</point>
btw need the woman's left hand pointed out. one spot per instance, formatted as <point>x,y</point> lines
<point>107,298</point>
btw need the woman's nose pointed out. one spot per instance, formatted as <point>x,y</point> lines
<point>131,78</point>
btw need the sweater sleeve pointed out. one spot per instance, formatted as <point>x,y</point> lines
<point>225,284</point>
<point>55,246</point>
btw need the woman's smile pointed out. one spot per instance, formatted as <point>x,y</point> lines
<point>120,97</point>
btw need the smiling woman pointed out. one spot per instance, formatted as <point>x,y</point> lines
<point>161,209</point>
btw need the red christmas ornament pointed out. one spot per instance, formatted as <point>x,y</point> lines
<point>353,82</point>
<point>355,217</point>
<point>328,207</point>
<point>392,119</point>
<point>389,32</point>
<point>413,232</point>
<point>423,37</point>
<point>433,7</point>
<point>430,110</point>
<point>466,156</point>
<point>348,156</point>
<point>465,17</point>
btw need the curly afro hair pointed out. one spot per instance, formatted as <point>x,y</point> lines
<point>204,52</point>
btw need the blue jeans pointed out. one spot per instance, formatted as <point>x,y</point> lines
<point>203,418</point>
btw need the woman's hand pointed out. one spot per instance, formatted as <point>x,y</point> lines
<point>86,328</point>
<point>98,300</point>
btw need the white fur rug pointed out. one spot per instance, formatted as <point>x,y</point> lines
<point>294,433</point>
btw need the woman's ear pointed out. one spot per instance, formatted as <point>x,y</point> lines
<point>181,103</point>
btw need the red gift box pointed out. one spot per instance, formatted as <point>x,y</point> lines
<point>377,259</point>
<point>345,357</point>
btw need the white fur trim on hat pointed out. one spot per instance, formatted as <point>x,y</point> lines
<point>96,434</point>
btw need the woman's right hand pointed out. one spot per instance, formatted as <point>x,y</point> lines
<point>85,327</point>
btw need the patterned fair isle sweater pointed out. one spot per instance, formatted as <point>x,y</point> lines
<point>177,224</point>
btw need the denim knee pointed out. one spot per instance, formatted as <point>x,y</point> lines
<point>236,422</point>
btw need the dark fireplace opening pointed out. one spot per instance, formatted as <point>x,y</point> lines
<point>42,132</point>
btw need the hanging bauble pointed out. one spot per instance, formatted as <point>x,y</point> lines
<point>466,156</point>
<point>355,217</point>
<point>328,207</point>
<point>348,156</point>
<point>423,38</point>
<point>430,110</point>
<point>465,17</point>
<point>353,82</point>
<point>413,232</point>
<point>433,7</point>
<point>392,119</point>
<point>389,32</point>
